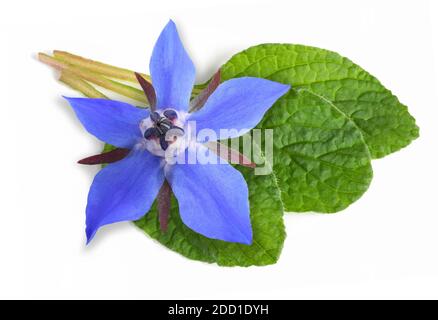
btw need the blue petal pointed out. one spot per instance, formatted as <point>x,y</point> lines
<point>172,71</point>
<point>113,122</point>
<point>124,190</point>
<point>213,200</point>
<point>238,104</point>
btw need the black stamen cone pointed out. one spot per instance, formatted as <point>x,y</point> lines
<point>170,114</point>
<point>155,117</point>
<point>163,143</point>
<point>151,133</point>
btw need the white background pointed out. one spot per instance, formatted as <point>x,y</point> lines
<point>383,246</point>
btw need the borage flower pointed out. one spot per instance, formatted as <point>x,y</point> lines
<point>212,197</point>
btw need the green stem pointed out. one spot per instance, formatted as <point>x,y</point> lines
<point>51,61</point>
<point>80,85</point>
<point>108,84</point>
<point>84,74</point>
<point>98,67</point>
<point>96,72</point>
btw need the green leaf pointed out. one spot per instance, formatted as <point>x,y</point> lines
<point>320,157</point>
<point>266,219</point>
<point>334,120</point>
<point>385,123</point>
<point>267,224</point>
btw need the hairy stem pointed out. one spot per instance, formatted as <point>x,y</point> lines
<point>112,85</point>
<point>51,61</point>
<point>80,85</point>
<point>84,74</point>
<point>98,73</point>
<point>98,67</point>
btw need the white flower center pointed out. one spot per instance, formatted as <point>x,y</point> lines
<point>165,133</point>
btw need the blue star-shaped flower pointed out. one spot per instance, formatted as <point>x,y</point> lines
<point>212,197</point>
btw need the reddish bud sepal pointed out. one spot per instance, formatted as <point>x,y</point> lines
<point>163,205</point>
<point>199,101</point>
<point>106,157</point>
